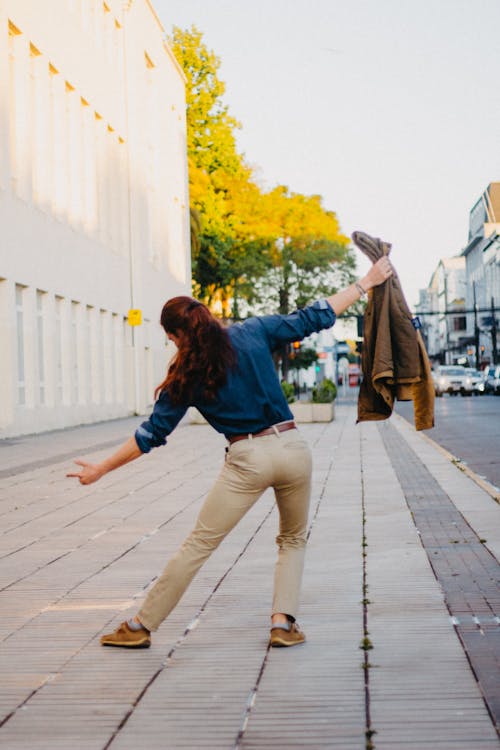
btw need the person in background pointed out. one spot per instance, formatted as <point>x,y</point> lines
<point>229,376</point>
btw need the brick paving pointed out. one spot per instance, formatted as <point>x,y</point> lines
<point>74,561</point>
<point>467,571</point>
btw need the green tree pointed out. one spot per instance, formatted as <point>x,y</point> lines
<point>309,250</point>
<point>303,358</point>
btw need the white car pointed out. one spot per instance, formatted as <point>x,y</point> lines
<point>491,379</point>
<point>452,379</point>
<point>477,381</point>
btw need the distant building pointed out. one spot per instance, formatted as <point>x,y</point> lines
<point>460,308</point>
<point>445,324</point>
<point>427,310</point>
<point>452,322</point>
<point>482,259</point>
<point>93,209</point>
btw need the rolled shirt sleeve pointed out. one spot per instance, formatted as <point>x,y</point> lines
<point>299,324</point>
<point>163,420</point>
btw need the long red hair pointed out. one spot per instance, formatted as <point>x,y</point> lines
<point>204,352</point>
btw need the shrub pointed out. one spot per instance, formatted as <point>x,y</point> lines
<point>288,391</point>
<point>325,392</point>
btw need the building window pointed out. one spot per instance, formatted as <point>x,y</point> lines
<point>460,323</point>
<point>59,349</point>
<point>107,357</point>
<point>40,340</point>
<point>75,385</point>
<point>21,385</point>
<point>91,376</point>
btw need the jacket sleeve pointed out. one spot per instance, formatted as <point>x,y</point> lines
<point>163,420</point>
<point>281,329</point>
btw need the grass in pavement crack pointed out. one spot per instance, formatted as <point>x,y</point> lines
<point>366,645</point>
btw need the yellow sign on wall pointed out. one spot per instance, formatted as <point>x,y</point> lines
<point>134,317</point>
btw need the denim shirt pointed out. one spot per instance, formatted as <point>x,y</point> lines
<point>251,399</point>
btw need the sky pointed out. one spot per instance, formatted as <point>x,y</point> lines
<point>389,109</point>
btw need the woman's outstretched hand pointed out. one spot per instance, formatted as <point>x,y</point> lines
<point>88,474</point>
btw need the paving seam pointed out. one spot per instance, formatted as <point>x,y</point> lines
<point>366,644</point>
<point>191,626</point>
<point>465,569</point>
<point>78,450</point>
<point>90,539</point>
<point>60,458</point>
<point>252,696</point>
<point>104,567</point>
<point>107,486</point>
<point>104,506</point>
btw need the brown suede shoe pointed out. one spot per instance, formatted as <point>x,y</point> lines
<point>127,638</point>
<point>281,635</point>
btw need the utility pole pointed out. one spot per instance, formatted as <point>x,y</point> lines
<point>493,333</point>
<point>476,327</point>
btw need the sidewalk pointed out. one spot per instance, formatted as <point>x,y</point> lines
<point>401,561</point>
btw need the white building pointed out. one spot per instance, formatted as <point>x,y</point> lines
<point>482,258</point>
<point>445,325</point>
<point>93,208</point>
<point>427,311</point>
<point>449,282</point>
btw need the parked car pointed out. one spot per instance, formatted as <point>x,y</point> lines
<point>452,379</point>
<point>477,379</point>
<point>491,379</point>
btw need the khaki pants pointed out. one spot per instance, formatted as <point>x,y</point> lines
<point>281,461</point>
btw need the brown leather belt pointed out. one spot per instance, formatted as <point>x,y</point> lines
<point>283,427</point>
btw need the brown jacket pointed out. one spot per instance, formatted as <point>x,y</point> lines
<point>394,361</point>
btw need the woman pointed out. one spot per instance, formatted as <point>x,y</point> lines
<point>229,375</point>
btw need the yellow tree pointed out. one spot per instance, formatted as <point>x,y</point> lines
<point>309,252</point>
<point>213,159</point>
<point>283,242</point>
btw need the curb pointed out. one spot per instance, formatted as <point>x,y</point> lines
<point>493,491</point>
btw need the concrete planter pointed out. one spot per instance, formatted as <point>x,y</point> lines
<point>323,412</point>
<point>306,411</point>
<point>302,411</point>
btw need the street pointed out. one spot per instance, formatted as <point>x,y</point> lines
<point>469,428</point>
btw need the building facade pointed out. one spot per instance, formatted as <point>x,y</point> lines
<point>441,310</point>
<point>94,209</point>
<point>482,259</point>
<point>460,309</point>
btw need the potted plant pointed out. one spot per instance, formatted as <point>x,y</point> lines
<point>323,397</point>
<point>319,409</point>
